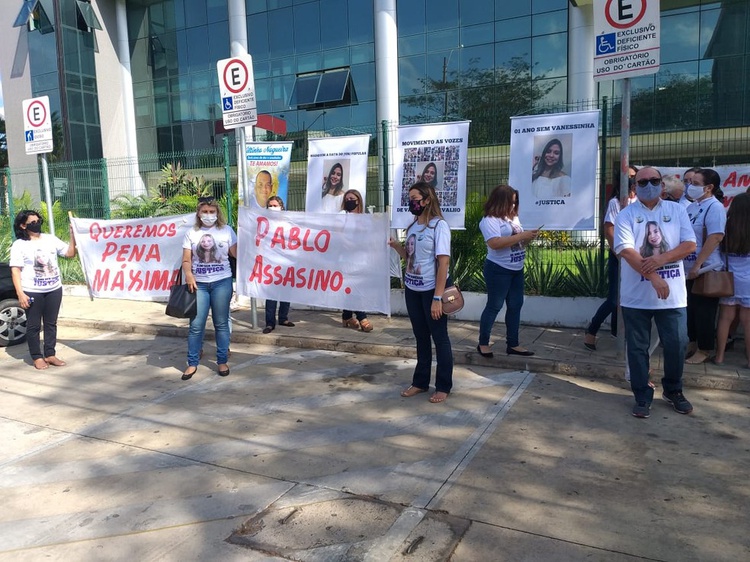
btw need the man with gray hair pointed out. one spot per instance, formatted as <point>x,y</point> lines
<point>674,190</point>
<point>652,237</point>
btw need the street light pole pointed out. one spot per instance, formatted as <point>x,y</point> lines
<point>446,61</point>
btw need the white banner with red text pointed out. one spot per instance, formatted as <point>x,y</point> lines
<point>332,261</point>
<point>435,154</point>
<point>335,165</point>
<point>136,259</point>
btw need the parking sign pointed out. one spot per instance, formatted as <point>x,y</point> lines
<point>626,38</point>
<point>37,125</point>
<point>238,106</point>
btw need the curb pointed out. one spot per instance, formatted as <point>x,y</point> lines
<point>588,369</point>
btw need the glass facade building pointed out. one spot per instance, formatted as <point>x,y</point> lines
<point>483,60</point>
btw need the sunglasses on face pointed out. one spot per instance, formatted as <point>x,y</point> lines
<point>645,182</point>
<point>205,200</point>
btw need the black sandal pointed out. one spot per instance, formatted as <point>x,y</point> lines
<point>187,376</point>
<point>287,323</point>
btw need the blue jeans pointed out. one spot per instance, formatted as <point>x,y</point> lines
<point>214,296</point>
<point>671,324</point>
<point>610,305</point>
<point>418,305</point>
<point>271,313</point>
<point>503,286</point>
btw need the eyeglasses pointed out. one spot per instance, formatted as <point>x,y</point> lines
<point>206,200</point>
<point>644,182</point>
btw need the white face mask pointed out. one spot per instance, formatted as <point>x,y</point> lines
<point>274,208</point>
<point>208,219</point>
<point>694,191</point>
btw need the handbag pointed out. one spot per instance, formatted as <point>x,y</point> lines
<point>182,303</point>
<point>453,300</point>
<point>714,284</point>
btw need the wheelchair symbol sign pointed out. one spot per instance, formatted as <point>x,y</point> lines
<point>227,103</point>
<point>606,44</point>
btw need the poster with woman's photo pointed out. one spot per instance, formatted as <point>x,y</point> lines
<point>435,154</point>
<point>267,171</point>
<point>334,166</point>
<point>553,162</point>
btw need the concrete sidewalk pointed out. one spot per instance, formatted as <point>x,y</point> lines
<point>557,350</point>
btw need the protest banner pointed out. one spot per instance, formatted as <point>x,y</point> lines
<point>436,154</point>
<point>553,166</point>
<point>334,165</point>
<point>332,261</point>
<point>135,259</point>
<point>267,171</point>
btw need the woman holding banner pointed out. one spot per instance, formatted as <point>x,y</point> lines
<point>38,283</point>
<point>548,180</point>
<point>353,204</point>
<point>210,280</point>
<point>424,292</point>
<point>276,203</point>
<point>503,270</point>
<point>333,189</point>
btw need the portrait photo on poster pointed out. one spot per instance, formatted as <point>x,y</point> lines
<point>551,166</point>
<point>334,185</point>
<point>265,185</point>
<point>434,165</point>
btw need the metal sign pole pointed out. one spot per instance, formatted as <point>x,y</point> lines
<point>624,193</point>
<point>48,195</point>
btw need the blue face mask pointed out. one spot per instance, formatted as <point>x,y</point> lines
<point>648,193</point>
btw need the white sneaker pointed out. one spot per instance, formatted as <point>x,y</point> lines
<point>233,304</point>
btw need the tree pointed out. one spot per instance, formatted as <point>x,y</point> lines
<point>488,97</point>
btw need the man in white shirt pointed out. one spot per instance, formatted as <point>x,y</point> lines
<point>652,237</point>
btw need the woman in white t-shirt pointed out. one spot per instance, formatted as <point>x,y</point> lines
<point>205,265</point>
<point>333,190</point>
<point>424,289</point>
<point>38,283</point>
<point>708,216</point>
<point>503,269</point>
<point>735,248</point>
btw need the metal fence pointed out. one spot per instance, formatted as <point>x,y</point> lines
<point>161,183</point>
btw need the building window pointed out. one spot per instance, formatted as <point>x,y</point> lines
<point>34,15</point>
<point>330,88</point>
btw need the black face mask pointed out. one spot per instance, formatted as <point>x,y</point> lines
<point>34,227</point>
<point>415,207</point>
<point>350,205</point>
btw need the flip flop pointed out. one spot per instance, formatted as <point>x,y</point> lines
<point>53,360</point>
<point>438,397</point>
<point>412,391</point>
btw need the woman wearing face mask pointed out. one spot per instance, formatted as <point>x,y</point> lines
<point>609,306</point>
<point>548,180</point>
<point>709,220</point>
<point>424,292</point>
<point>353,203</point>
<point>38,283</point>
<point>333,189</point>
<point>210,280</point>
<point>276,203</point>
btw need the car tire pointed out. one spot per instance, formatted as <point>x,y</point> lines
<point>12,322</point>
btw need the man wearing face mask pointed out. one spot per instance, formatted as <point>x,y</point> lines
<point>652,286</point>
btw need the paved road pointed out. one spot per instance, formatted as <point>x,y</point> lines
<point>114,457</point>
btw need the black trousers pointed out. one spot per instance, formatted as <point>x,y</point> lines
<point>43,311</point>
<point>701,318</point>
